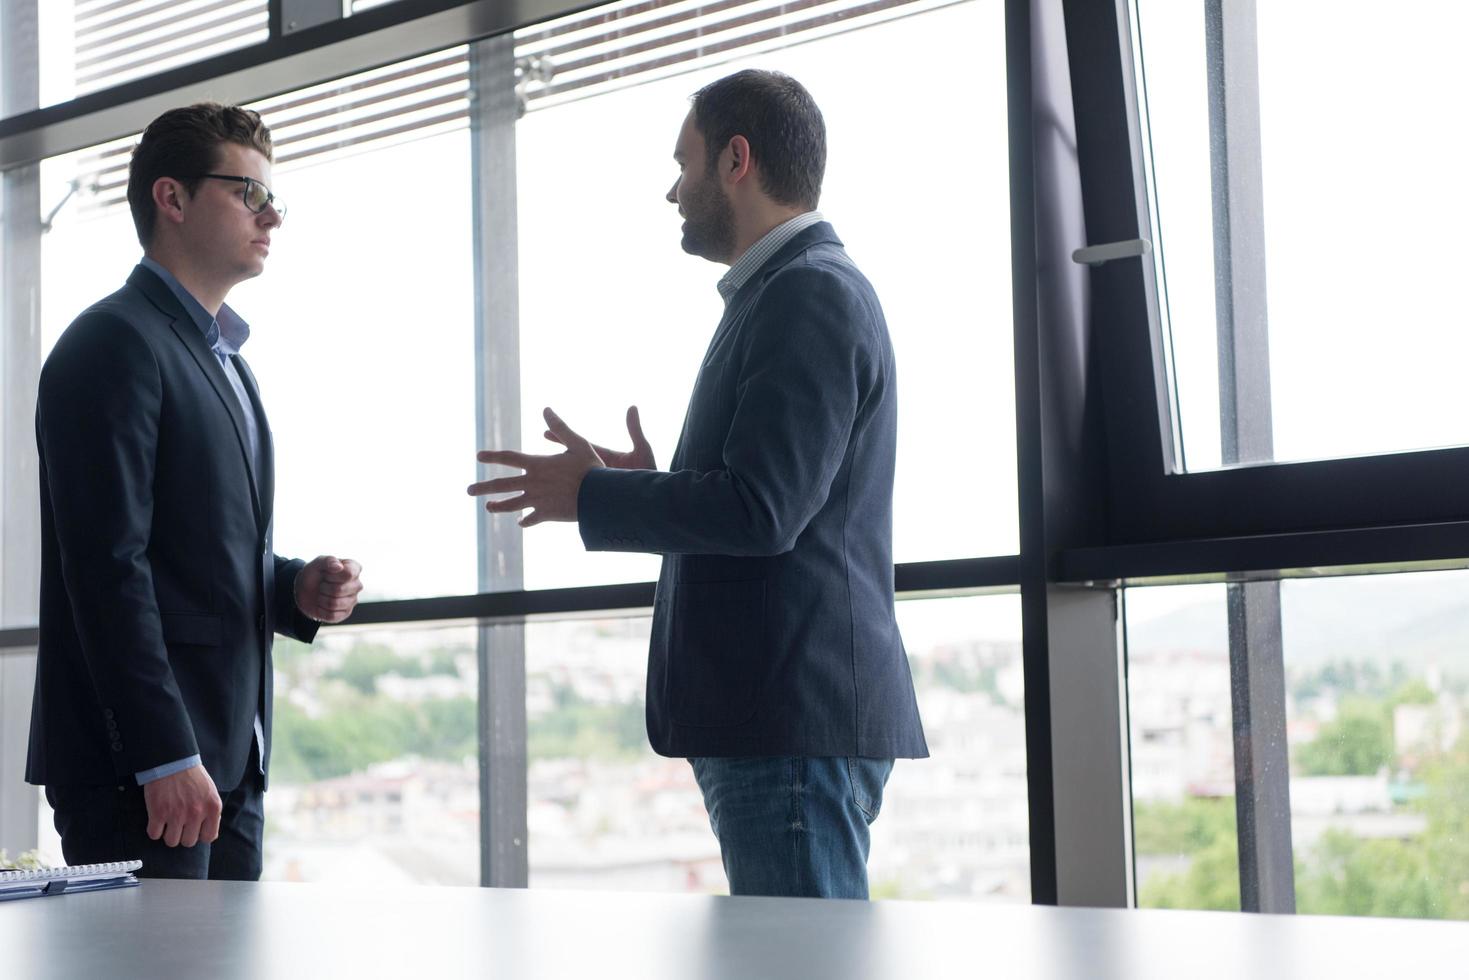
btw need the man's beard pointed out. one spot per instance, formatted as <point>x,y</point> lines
<point>709,222</point>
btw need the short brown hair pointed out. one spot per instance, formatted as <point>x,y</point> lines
<point>782,123</point>
<point>183,143</point>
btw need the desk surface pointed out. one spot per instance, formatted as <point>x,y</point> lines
<point>178,929</point>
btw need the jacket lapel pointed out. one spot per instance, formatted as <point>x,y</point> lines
<point>183,327</point>
<point>746,295</point>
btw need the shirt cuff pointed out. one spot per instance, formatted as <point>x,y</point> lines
<point>167,769</point>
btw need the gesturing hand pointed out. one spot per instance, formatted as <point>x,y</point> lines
<point>327,588</point>
<point>183,809</point>
<point>640,457</point>
<point>549,484</point>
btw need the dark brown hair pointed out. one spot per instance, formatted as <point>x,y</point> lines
<point>782,123</point>
<point>182,144</point>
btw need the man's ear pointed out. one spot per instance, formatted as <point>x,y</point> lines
<point>735,162</point>
<point>169,197</point>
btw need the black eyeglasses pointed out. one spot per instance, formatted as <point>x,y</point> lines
<point>257,196</point>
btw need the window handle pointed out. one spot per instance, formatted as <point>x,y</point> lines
<point>1095,255</point>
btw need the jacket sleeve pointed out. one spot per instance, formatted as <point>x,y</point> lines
<point>800,383</point>
<point>289,619</point>
<point>97,418</point>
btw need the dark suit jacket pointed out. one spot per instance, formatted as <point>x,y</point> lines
<point>159,588</point>
<point>773,629</point>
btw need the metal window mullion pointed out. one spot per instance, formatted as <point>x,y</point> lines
<point>1074,713</point>
<point>1256,651</point>
<point>503,764</point>
<point>1261,758</point>
<point>20,347</point>
<point>1091,765</point>
<point>1239,232</point>
<point>1040,788</point>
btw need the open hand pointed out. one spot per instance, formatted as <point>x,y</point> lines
<point>549,484</point>
<point>640,457</point>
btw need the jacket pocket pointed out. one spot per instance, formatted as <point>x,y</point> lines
<point>192,629</point>
<point>717,658</point>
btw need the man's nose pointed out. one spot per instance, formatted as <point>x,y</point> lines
<point>672,196</point>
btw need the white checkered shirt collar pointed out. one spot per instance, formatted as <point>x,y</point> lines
<point>758,254</point>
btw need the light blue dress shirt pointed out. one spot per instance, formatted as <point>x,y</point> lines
<point>225,335</point>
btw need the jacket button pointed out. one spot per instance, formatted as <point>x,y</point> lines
<point>106,712</point>
<point>111,725</point>
<point>117,746</point>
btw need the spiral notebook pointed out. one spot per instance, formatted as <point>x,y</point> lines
<point>59,881</point>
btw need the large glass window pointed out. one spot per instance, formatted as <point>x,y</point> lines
<point>602,274</point>
<point>87,45</point>
<point>1377,702</point>
<point>375,758</point>
<point>370,391</point>
<point>1351,250</point>
<point>957,825</point>
<point>606,812</point>
<point>363,343</point>
<point>1182,753</point>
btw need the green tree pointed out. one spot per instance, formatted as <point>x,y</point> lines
<point>1202,829</point>
<point>577,728</point>
<point>366,662</point>
<point>1415,691</point>
<point>1446,838</point>
<point>1422,876</point>
<point>364,731</point>
<point>1346,875</point>
<point>1186,827</point>
<point>1211,881</point>
<point>1357,742</point>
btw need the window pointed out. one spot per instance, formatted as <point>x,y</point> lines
<point>602,275</point>
<point>1345,176</point>
<point>371,393</point>
<point>364,345</point>
<point>1182,750</point>
<point>1377,702</point>
<point>88,45</point>
<point>605,812</point>
<point>957,825</point>
<point>375,759</point>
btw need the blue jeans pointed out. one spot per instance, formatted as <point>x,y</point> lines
<point>793,826</point>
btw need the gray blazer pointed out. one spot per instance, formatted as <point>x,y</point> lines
<point>773,629</point>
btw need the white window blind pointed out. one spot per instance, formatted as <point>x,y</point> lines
<point>575,57</point>
<point>120,40</point>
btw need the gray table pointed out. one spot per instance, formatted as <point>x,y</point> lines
<point>176,929</point>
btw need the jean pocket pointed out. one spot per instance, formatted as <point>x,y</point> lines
<point>868,777</point>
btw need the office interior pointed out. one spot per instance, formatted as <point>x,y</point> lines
<point>1182,552</point>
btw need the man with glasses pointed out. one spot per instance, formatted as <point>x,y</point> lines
<point>160,589</point>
